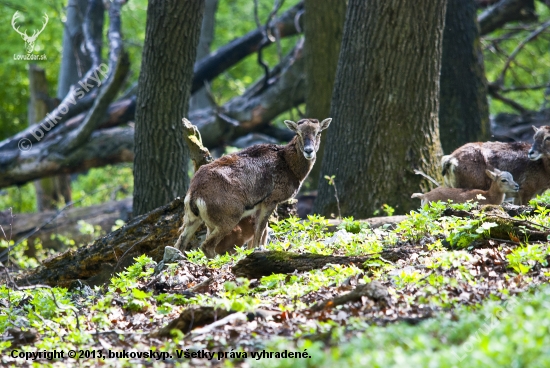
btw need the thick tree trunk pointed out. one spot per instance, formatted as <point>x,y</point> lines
<point>323,30</point>
<point>385,107</point>
<point>463,107</point>
<point>171,38</point>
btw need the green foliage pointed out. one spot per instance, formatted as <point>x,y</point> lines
<point>15,91</point>
<point>236,296</point>
<point>465,231</point>
<point>100,185</point>
<point>496,334</point>
<point>523,258</point>
<point>197,256</point>
<point>295,286</point>
<point>238,78</point>
<point>18,256</point>
<point>21,199</point>
<point>304,235</point>
<point>352,226</point>
<point>529,68</point>
<point>387,209</point>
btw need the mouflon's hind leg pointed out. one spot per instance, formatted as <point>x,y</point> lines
<point>189,227</point>
<point>260,229</point>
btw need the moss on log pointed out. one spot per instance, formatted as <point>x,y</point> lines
<point>260,264</point>
<point>508,228</point>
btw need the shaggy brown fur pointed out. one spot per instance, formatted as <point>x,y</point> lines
<point>249,183</point>
<point>529,165</point>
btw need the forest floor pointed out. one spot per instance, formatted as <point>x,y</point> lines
<point>450,296</point>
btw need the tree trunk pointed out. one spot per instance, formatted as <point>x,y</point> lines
<point>323,30</point>
<point>463,110</point>
<point>169,52</point>
<point>51,190</point>
<point>385,107</point>
<point>200,99</point>
<point>74,63</point>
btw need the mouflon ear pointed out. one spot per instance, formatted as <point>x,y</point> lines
<point>491,174</point>
<point>325,123</point>
<point>291,125</point>
<point>535,128</point>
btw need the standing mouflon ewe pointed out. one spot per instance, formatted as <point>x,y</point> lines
<point>249,183</point>
<point>529,165</point>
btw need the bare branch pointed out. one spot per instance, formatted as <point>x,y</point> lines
<point>505,11</point>
<point>533,35</point>
<point>118,69</point>
<point>493,92</point>
<point>226,56</point>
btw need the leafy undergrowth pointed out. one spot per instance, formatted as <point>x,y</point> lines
<point>458,298</point>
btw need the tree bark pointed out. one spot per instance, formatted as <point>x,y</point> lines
<point>385,107</point>
<point>323,30</point>
<point>74,62</point>
<point>259,264</point>
<point>200,98</point>
<point>507,228</point>
<point>169,52</point>
<point>104,147</point>
<point>463,107</point>
<point>373,290</point>
<point>53,190</point>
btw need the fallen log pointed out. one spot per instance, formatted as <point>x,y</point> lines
<point>373,222</point>
<point>105,147</point>
<point>96,262</point>
<point>65,223</point>
<point>507,227</point>
<point>259,264</point>
<point>228,55</point>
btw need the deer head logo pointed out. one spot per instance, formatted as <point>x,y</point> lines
<point>29,40</point>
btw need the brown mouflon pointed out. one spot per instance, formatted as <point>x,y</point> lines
<point>248,183</point>
<point>528,164</point>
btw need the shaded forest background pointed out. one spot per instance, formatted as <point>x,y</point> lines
<point>445,285</point>
<point>515,58</point>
